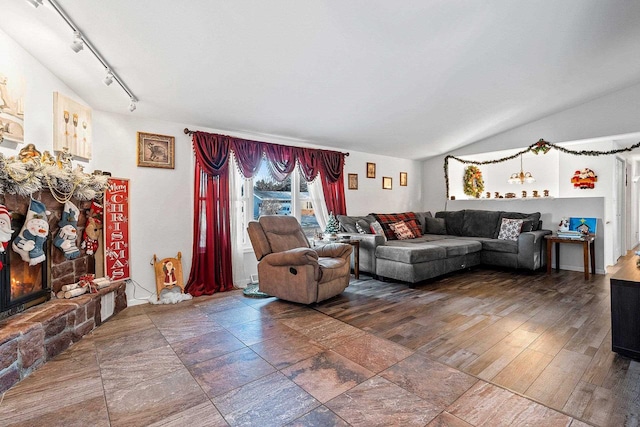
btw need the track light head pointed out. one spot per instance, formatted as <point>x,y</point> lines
<point>77,45</point>
<point>108,79</point>
<point>35,3</point>
<point>132,105</point>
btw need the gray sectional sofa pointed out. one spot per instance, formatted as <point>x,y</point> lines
<point>451,241</point>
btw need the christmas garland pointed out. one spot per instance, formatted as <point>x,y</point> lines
<point>473,182</point>
<point>27,176</point>
<point>541,146</point>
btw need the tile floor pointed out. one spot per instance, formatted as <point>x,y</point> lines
<point>230,360</point>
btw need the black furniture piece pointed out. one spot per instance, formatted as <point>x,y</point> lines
<point>625,311</point>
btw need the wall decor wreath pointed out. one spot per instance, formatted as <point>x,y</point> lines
<point>473,182</point>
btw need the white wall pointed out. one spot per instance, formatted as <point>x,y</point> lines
<point>542,167</point>
<point>370,197</point>
<point>38,103</point>
<point>161,200</point>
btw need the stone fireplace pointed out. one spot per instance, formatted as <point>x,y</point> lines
<point>23,285</point>
<point>35,326</point>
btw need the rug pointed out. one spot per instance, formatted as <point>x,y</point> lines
<point>171,296</point>
<point>252,291</point>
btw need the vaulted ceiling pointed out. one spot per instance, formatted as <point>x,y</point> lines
<point>408,79</point>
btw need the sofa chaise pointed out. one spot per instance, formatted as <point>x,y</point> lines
<point>450,241</point>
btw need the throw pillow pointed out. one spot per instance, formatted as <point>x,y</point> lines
<point>422,220</point>
<point>527,225</point>
<point>533,217</point>
<point>364,225</point>
<point>360,229</point>
<point>415,227</point>
<point>510,229</point>
<point>376,228</point>
<point>386,220</point>
<point>436,226</point>
<point>402,231</point>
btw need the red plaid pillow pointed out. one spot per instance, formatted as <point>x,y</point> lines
<point>386,220</point>
<point>402,231</point>
<point>415,228</point>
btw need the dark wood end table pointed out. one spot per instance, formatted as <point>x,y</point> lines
<point>588,251</point>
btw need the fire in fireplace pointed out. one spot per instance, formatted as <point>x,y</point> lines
<point>21,285</point>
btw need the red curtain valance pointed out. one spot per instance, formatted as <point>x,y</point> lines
<point>212,152</point>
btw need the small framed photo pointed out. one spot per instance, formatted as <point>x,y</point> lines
<point>371,170</point>
<point>156,151</point>
<point>353,181</point>
<point>386,183</point>
<point>403,179</point>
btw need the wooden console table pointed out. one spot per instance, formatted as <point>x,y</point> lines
<point>625,311</point>
<point>588,251</point>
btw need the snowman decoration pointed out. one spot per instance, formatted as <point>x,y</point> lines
<point>29,243</point>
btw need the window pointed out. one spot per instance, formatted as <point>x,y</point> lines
<point>263,195</point>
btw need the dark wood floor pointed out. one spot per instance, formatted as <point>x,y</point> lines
<point>547,337</point>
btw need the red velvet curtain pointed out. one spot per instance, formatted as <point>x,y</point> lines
<point>333,182</point>
<point>211,267</point>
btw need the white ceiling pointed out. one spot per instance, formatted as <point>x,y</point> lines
<point>409,79</point>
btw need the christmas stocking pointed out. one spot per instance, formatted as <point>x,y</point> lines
<point>91,235</point>
<point>30,241</point>
<point>68,233</point>
<point>5,230</point>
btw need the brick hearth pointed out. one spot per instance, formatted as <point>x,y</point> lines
<point>34,336</point>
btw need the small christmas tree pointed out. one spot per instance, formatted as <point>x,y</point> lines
<point>332,225</point>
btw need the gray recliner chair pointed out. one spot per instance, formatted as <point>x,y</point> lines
<point>288,268</point>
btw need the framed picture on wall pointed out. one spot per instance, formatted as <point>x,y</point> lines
<point>403,179</point>
<point>386,182</point>
<point>71,126</point>
<point>371,170</point>
<point>12,90</point>
<point>353,181</point>
<point>156,151</point>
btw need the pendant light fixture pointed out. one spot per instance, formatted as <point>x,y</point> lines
<point>521,177</point>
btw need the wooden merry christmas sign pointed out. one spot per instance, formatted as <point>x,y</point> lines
<point>116,229</point>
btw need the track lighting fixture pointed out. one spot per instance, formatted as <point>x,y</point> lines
<point>108,79</point>
<point>77,45</point>
<point>80,40</point>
